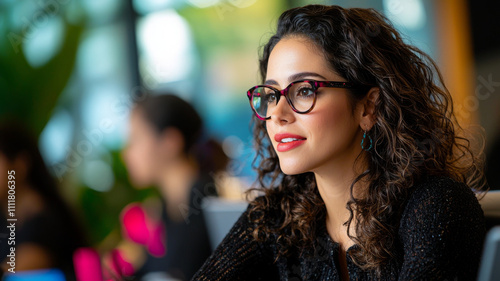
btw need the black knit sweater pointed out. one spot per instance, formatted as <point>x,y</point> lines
<point>440,238</point>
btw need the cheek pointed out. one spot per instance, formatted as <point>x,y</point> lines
<point>332,118</point>
<point>333,124</point>
<point>140,159</point>
<point>147,156</point>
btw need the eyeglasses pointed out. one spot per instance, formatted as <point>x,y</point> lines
<point>300,95</point>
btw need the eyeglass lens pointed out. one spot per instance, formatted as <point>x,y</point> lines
<point>301,95</point>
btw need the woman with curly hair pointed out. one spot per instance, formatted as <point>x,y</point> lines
<point>363,171</point>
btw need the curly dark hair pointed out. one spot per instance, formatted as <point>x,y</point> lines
<point>415,134</point>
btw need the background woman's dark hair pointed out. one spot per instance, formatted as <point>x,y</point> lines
<point>170,111</point>
<point>414,135</point>
<point>16,141</point>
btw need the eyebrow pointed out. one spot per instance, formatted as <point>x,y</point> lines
<point>295,77</point>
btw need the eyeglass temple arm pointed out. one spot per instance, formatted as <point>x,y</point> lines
<point>334,84</point>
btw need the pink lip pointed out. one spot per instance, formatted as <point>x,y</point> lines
<point>282,147</point>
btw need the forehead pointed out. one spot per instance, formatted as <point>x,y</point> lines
<point>296,54</point>
<point>137,119</point>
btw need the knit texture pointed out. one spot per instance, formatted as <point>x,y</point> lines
<point>440,235</point>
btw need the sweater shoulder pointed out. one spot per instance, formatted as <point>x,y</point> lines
<point>440,198</point>
<point>440,190</point>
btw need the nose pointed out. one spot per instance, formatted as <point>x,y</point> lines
<point>282,112</point>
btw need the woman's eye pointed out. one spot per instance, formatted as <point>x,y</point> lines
<point>305,93</point>
<point>270,98</point>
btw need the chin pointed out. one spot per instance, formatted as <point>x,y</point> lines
<point>290,170</point>
<point>139,183</point>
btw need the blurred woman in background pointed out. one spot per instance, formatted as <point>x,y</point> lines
<point>47,232</point>
<point>166,149</point>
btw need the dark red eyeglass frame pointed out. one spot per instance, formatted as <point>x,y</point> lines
<point>314,84</point>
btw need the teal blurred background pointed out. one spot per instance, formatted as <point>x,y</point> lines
<point>72,69</point>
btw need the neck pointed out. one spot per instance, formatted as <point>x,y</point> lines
<point>335,179</point>
<point>175,182</point>
<point>335,190</point>
<point>334,185</point>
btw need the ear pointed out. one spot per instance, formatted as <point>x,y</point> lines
<point>171,143</point>
<point>368,115</point>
